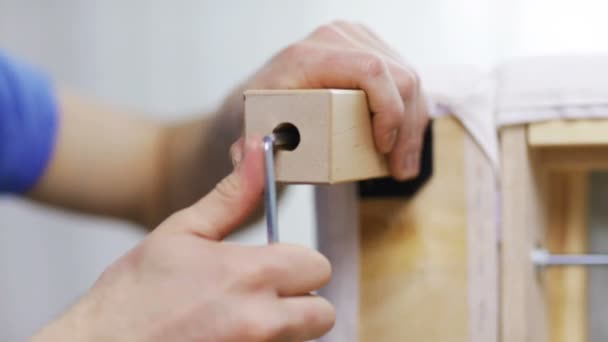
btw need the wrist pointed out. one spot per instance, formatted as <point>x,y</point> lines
<point>69,327</point>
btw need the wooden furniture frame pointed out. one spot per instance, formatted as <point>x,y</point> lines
<point>454,262</point>
<point>421,269</point>
<point>545,169</point>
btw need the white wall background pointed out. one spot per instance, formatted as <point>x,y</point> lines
<point>175,58</point>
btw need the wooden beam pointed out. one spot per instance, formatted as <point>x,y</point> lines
<point>566,287</point>
<point>524,316</point>
<point>482,243</point>
<point>580,132</point>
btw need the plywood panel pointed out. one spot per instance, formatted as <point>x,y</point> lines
<point>414,255</point>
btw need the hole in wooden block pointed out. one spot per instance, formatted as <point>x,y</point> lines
<point>288,136</point>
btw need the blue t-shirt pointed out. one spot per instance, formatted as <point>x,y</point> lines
<point>28,124</point>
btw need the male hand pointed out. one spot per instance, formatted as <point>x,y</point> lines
<point>337,55</point>
<point>182,283</point>
<point>347,55</point>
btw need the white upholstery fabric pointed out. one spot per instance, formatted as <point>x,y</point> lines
<point>520,91</point>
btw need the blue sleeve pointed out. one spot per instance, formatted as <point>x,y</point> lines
<point>28,125</point>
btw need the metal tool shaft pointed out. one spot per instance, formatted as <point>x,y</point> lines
<point>542,257</point>
<point>284,137</point>
<point>270,193</point>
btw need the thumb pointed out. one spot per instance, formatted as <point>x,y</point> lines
<point>233,199</point>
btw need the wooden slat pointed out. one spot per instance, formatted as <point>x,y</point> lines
<point>566,287</point>
<point>414,255</point>
<point>571,158</point>
<point>524,317</point>
<point>568,133</point>
<point>482,242</point>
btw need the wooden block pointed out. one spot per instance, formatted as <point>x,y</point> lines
<point>335,128</point>
<point>568,133</point>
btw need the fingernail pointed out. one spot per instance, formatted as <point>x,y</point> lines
<point>392,138</point>
<point>236,152</point>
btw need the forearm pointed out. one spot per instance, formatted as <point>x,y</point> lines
<point>113,163</point>
<point>104,162</point>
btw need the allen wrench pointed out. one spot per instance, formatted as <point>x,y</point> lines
<point>284,137</point>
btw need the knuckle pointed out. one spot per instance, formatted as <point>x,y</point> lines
<point>392,119</point>
<point>254,276</point>
<point>407,82</point>
<point>372,65</point>
<point>226,189</point>
<point>327,30</point>
<point>265,327</point>
<point>295,51</point>
<point>259,274</point>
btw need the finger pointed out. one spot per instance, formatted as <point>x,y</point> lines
<point>404,160</point>
<point>355,69</point>
<point>292,270</point>
<point>309,317</point>
<point>230,202</point>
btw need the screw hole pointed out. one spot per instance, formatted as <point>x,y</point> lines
<point>287,136</point>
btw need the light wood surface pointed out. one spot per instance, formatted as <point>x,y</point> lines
<point>566,287</point>
<point>414,283</point>
<point>336,142</point>
<point>523,303</point>
<point>482,240</point>
<point>586,132</point>
<point>353,154</point>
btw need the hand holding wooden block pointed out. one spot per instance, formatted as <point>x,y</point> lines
<point>335,128</point>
